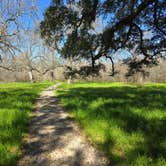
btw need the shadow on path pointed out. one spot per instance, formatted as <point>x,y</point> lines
<point>54,140</point>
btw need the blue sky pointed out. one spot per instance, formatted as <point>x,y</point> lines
<point>42,6</point>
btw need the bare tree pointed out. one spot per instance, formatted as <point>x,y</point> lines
<point>35,56</point>
<point>13,14</point>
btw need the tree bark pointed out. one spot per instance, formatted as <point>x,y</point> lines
<point>31,78</point>
<point>69,80</point>
<point>52,75</point>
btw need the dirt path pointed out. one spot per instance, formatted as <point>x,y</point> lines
<point>55,140</point>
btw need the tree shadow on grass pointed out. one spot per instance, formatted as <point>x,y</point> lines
<point>132,109</point>
<point>15,103</point>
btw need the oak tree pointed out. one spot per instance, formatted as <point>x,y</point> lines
<point>68,26</point>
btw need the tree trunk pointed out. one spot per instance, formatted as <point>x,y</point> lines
<point>52,75</point>
<point>31,78</point>
<point>69,80</point>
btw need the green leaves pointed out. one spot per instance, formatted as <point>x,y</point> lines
<point>68,27</point>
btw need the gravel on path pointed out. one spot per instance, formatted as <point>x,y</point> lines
<point>54,139</point>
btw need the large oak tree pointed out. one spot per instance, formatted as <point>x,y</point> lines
<point>68,26</point>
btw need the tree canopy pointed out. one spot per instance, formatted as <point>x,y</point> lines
<point>69,27</point>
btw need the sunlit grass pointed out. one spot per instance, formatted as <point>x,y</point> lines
<point>127,121</point>
<point>16,102</point>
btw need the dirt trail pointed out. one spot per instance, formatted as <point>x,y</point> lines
<point>54,139</point>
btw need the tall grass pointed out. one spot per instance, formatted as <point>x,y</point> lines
<point>127,121</point>
<point>16,101</point>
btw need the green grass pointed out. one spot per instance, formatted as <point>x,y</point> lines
<point>127,121</point>
<point>16,102</point>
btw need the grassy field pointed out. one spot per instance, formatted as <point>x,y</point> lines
<point>16,101</point>
<point>127,121</point>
